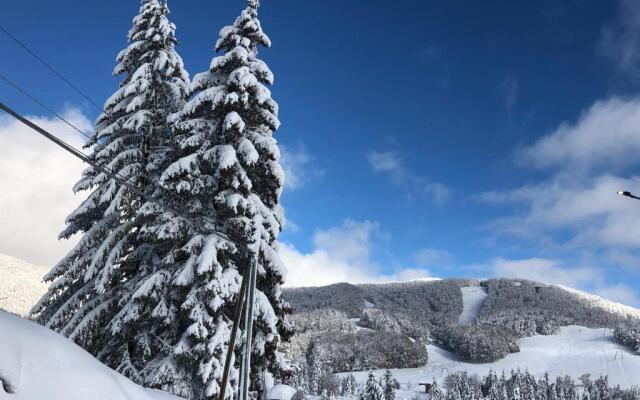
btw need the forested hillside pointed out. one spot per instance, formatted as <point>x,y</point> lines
<point>344,327</point>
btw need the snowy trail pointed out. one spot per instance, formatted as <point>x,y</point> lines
<point>574,351</point>
<point>38,364</point>
<point>472,299</point>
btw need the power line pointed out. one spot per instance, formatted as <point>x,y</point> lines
<point>49,67</point>
<point>41,104</point>
<point>73,150</point>
<point>77,153</point>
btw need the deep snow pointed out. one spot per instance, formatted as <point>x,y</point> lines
<point>473,298</point>
<point>38,364</point>
<point>574,351</point>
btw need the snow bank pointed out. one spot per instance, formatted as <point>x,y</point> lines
<point>472,299</point>
<point>574,351</point>
<point>38,364</point>
<point>21,284</point>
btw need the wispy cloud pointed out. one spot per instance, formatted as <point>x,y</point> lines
<point>429,257</point>
<point>299,166</point>
<point>620,40</point>
<point>574,212</point>
<point>391,164</point>
<point>342,254</point>
<point>606,134</point>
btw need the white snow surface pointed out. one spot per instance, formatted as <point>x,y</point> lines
<point>472,300</point>
<point>574,351</point>
<point>281,392</point>
<point>38,364</point>
<point>21,284</point>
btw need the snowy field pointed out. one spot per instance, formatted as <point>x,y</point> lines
<point>38,364</point>
<point>574,351</point>
<point>21,284</point>
<point>472,300</point>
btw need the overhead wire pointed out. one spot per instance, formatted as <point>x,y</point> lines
<point>49,67</point>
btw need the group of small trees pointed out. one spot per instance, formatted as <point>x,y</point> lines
<point>524,386</point>
<point>517,385</point>
<point>151,287</point>
<point>628,334</point>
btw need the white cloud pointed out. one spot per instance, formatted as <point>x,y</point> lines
<point>299,166</point>
<point>592,210</point>
<point>351,242</point>
<point>620,39</point>
<point>608,133</point>
<point>575,212</point>
<point>341,254</point>
<point>579,197</point>
<point>391,164</point>
<point>438,192</point>
<point>386,161</point>
<point>553,272</point>
<point>36,180</point>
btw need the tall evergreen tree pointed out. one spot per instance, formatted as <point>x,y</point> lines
<point>131,137</point>
<point>226,166</point>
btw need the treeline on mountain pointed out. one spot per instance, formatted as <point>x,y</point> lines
<point>326,342</point>
<point>330,321</point>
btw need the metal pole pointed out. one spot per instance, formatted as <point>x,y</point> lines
<point>234,330</point>
<point>246,367</point>
<point>243,378</point>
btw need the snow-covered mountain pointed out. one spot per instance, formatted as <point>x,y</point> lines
<point>421,330</point>
<point>21,284</point>
<point>464,325</point>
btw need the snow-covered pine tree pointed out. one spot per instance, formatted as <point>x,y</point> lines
<point>226,165</point>
<point>88,283</point>
<point>372,389</point>
<point>389,386</point>
<point>436,393</point>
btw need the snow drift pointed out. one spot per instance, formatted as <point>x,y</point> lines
<point>38,364</point>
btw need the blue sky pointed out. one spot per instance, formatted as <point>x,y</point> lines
<point>456,138</point>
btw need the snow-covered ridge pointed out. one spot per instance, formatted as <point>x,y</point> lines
<point>21,284</point>
<point>604,304</point>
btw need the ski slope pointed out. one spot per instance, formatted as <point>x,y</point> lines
<point>574,351</point>
<point>38,364</point>
<point>473,298</point>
